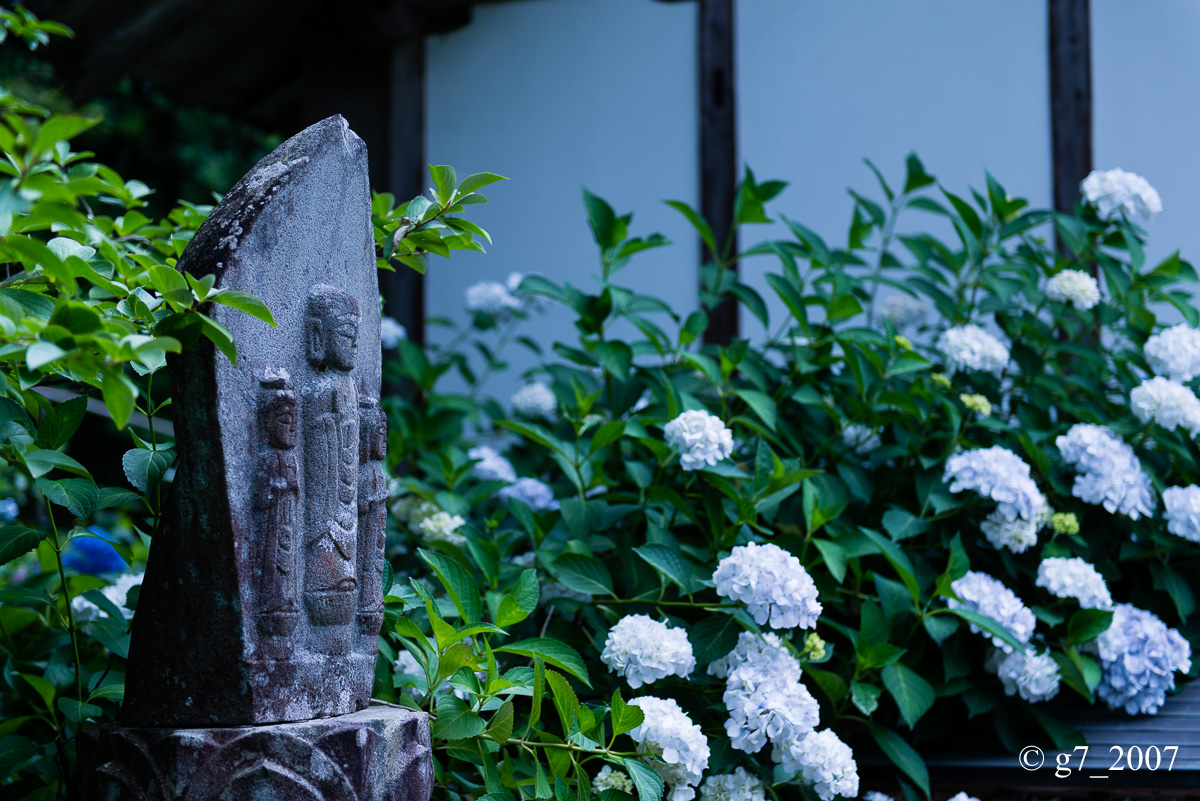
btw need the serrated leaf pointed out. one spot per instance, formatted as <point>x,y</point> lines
<point>669,562</point>
<point>455,720</point>
<point>902,755</point>
<point>13,751</point>
<point>713,637</point>
<point>145,469</point>
<point>583,573</point>
<point>912,693</point>
<point>17,541</point>
<point>648,783</point>
<point>625,717</point>
<point>1088,624</point>
<point>459,584</point>
<point>501,725</point>
<point>555,653</point>
<point>77,495</point>
<point>60,423</point>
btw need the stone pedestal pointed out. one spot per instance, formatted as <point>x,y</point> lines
<point>381,753</point>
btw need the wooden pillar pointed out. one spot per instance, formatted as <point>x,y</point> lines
<point>718,146</point>
<point>1070,98</point>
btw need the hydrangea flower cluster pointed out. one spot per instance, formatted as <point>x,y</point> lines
<point>1168,403</point>
<point>981,593</point>
<point>862,438</point>
<point>969,347</point>
<point>1072,577</point>
<point>443,527</point>
<point>767,701</point>
<point>1075,287</point>
<point>1001,475</point>
<point>875,795</point>
<point>736,786</point>
<point>117,592</point>
<point>749,646</point>
<point>609,779</point>
<point>1139,655</point>
<point>700,438</point>
<point>536,494</point>
<point>775,587</point>
<point>669,733</point>
<point>1113,191</point>
<point>963,797</point>
<point>643,650</point>
<point>536,401</point>
<point>1109,471</point>
<point>824,761</point>
<point>391,333</point>
<point>490,298</point>
<point>902,309</point>
<point>491,465</point>
<point>1183,511</point>
<point>9,510</point>
<point>1033,676</point>
<point>1175,352</point>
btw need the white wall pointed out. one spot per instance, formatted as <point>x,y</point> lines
<point>1146,107</point>
<point>558,95</point>
<point>822,85</point>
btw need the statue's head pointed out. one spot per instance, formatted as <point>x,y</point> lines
<point>372,429</point>
<point>277,410</point>
<point>331,328</point>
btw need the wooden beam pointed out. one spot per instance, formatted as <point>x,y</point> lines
<point>1070,98</point>
<point>718,146</point>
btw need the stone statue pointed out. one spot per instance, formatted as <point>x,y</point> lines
<point>254,646</point>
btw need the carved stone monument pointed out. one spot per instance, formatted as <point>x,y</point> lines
<point>255,641</point>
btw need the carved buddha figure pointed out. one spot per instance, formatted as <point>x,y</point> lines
<point>275,497</point>
<point>331,447</point>
<point>372,514</point>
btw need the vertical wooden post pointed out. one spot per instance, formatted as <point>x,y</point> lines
<point>1070,98</point>
<point>718,146</point>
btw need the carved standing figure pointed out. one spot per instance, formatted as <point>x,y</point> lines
<point>275,497</point>
<point>331,446</point>
<point>372,514</point>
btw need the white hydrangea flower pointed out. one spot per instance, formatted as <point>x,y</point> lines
<point>443,527</point>
<point>1072,577</point>
<point>1113,191</point>
<point>407,664</point>
<point>643,650</point>
<point>1139,655</point>
<point>391,333</point>
<point>609,779</point>
<point>775,587</point>
<point>1183,511</point>
<point>824,761</point>
<point>700,438</point>
<point>490,298</point>
<point>1075,287</point>
<point>536,494</point>
<point>1109,472</point>
<point>1034,676</point>
<point>875,795</point>
<point>536,401</point>
<point>750,645</point>
<point>963,797</point>
<point>766,705</point>
<point>491,465</point>
<point>969,347</point>
<point>1175,352</point>
<point>902,309</point>
<point>1168,403</point>
<point>981,593</point>
<point>669,733</point>
<point>1001,475</point>
<point>862,438</point>
<point>736,786</point>
<point>514,281</point>
<point>85,610</point>
<point>1017,534</point>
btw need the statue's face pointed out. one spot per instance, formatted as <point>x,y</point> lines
<point>282,426</point>
<point>342,342</point>
<point>372,430</point>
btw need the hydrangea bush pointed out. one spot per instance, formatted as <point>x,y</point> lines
<point>954,485</point>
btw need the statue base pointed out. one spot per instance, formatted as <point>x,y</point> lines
<point>381,753</point>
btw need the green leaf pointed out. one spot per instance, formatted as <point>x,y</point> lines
<point>865,696</point>
<point>902,755</point>
<point>42,462</point>
<point>699,223</point>
<point>473,183</point>
<point>555,653</point>
<point>13,751</point>
<point>118,393</point>
<point>669,562</point>
<point>501,725</point>
<point>145,469</point>
<point>40,354</point>
<point>625,717</point>
<point>912,693</point>
<point>113,691</point>
<point>444,181</point>
<point>526,591</point>
<point>990,626</point>
<point>77,495</point>
<point>607,434</point>
<point>77,711</point>
<point>835,558</point>
<point>713,637</point>
<point>902,524</point>
<point>17,541</point>
<point>601,219</point>
<point>1088,624</point>
<point>244,302</point>
<point>583,573</point>
<point>565,700</point>
<point>455,720</point>
<point>939,627</point>
<point>61,423</point>
<point>22,596</point>
<point>459,584</point>
<point>762,404</point>
<point>898,559</point>
<point>648,783</point>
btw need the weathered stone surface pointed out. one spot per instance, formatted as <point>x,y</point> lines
<point>262,600</point>
<point>378,754</point>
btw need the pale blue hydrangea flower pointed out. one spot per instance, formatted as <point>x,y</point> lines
<point>1175,352</point>
<point>1183,511</point>
<point>536,401</point>
<point>536,494</point>
<point>1139,655</point>
<point>1033,676</point>
<point>736,786</point>
<point>767,701</point>
<point>1166,402</point>
<point>391,333</point>
<point>700,438</point>
<point>981,593</point>
<point>671,735</point>
<point>643,650</point>
<point>775,587</point>
<point>1075,287</point>
<point>1072,577</point>
<point>1109,472</point>
<point>824,761</point>
<point>490,298</point>
<point>9,510</point>
<point>491,465</point>
<point>1117,191</point>
<point>969,347</point>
